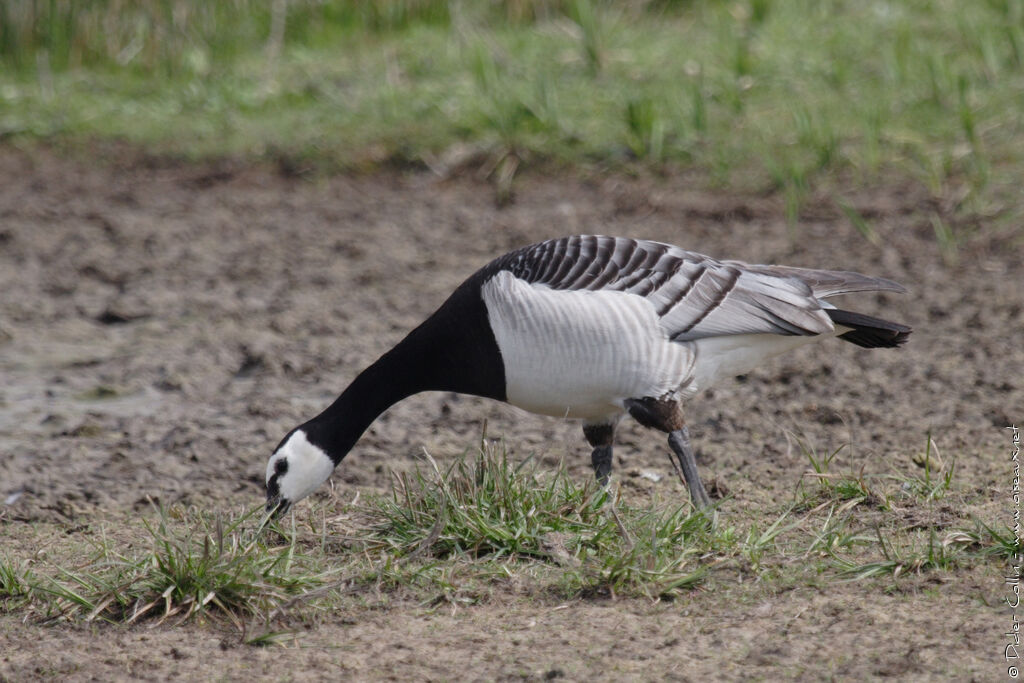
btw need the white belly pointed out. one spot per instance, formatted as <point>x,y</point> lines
<point>719,358</point>
<point>580,353</point>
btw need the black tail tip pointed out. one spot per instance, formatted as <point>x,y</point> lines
<point>869,332</point>
<point>875,338</point>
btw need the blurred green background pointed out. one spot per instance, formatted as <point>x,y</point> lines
<point>761,94</point>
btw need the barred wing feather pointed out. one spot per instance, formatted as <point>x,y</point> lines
<point>695,296</point>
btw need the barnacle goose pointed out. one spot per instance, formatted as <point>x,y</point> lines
<point>590,327</point>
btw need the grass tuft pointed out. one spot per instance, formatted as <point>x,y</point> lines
<point>15,584</point>
<point>209,566</point>
<point>484,506</point>
<point>647,129</point>
<point>936,478</point>
<point>592,30</point>
<point>911,556</point>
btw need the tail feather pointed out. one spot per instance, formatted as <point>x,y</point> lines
<point>827,283</point>
<point>869,332</point>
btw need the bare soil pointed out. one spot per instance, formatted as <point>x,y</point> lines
<point>163,324</point>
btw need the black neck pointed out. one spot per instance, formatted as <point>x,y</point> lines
<point>453,350</point>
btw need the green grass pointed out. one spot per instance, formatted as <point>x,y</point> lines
<point>485,507</point>
<point>913,554</point>
<point>15,584</point>
<point>209,566</point>
<point>465,534</point>
<point>931,480</point>
<point>770,94</point>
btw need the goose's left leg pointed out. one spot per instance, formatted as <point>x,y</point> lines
<point>665,414</point>
<point>600,435</point>
<point>679,441</point>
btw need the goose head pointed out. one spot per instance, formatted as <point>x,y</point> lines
<point>296,469</point>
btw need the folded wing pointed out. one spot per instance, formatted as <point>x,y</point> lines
<point>694,296</point>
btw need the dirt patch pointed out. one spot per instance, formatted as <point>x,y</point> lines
<point>804,635</point>
<point>162,326</point>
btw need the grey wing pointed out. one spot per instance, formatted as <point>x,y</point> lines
<point>694,295</point>
<point>826,283</point>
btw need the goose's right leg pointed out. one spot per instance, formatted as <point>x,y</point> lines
<point>600,435</point>
<point>679,442</point>
<point>665,414</point>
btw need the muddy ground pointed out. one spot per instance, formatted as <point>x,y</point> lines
<point>162,325</point>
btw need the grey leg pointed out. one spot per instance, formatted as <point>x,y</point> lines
<point>601,436</point>
<point>601,459</point>
<point>679,441</point>
<point>666,415</point>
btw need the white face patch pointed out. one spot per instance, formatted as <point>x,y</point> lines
<point>299,467</point>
